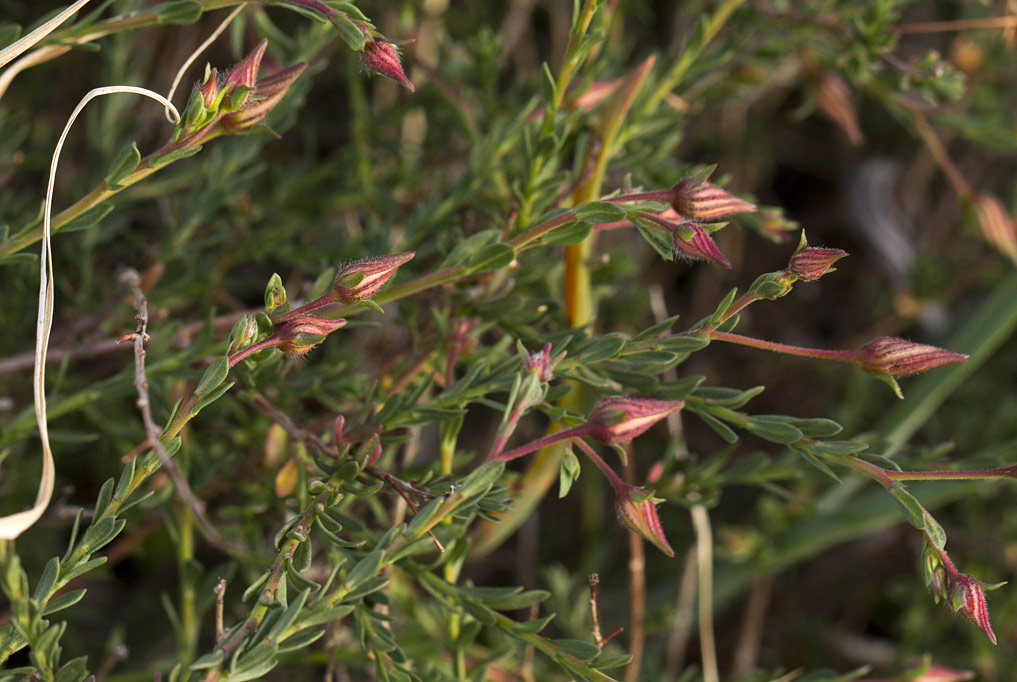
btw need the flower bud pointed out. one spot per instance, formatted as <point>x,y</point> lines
<point>244,332</point>
<point>209,90</point>
<point>363,279</point>
<point>995,223</point>
<point>243,75</point>
<point>636,509</point>
<point>381,57</point>
<point>619,418</point>
<point>704,201</point>
<point>304,332</point>
<point>811,263</point>
<point>900,358</point>
<point>541,363</point>
<point>834,100</point>
<point>967,597</point>
<point>691,240</point>
<point>258,103</point>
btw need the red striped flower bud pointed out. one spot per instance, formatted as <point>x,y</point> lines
<point>636,509</point>
<point>360,281</point>
<point>705,202</point>
<point>967,597</point>
<point>889,357</point>
<point>900,357</point>
<point>619,418</point>
<point>304,332</point>
<point>265,96</point>
<point>811,263</point>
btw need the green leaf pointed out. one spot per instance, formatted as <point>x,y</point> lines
<point>817,428</point>
<point>568,234</point>
<point>123,165</point>
<point>126,477</point>
<point>532,627</point>
<point>656,236</point>
<point>213,376</point>
<point>369,586</point>
<point>50,574</point>
<point>82,568</point>
<point>605,662</point>
<point>723,307</point>
<point>683,344</point>
<point>600,212</point>
<point>364,569</point>
<point>568,473</point>
<point>773,428</point>
<point>722,429</point>
<point>101,533</point>
<point>73,671</point>
<point>837,448</point>
<point>468,247</point>
<point>293,609</point>
<point>207,400</point>
<point>300,640</point>
<point>328,615</point>
<point>180,12</point>
<point>156,161</point>
<point>66,600</point>
<point>680,389</point>
<point>584,651</point>
<point>655,331</point>
<point>349,32</point>
<point>490,258</point>
<point>550,85</point>
<point>104,498</point>
<point>597,349</point>
<point>92,216</point>
<point>209,660</point>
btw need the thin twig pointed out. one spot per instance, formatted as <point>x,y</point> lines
<point>132,279</point>
<point>704,563</point>
<point>219,590</point>
<point>594,579</point>
<point>637,586</point>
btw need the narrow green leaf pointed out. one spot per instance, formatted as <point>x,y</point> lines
<point>213,377</point>
<point>180,12</point>
<point>349,32</point>
<point>157,161</point>
<point>568,234</point>
<point>584,651</point>
<point>50,574</point>
<point>364,569</point>
<point>773,429</point>
<point>491,257</point>
<point>600,212</point>
<point>123,165</point>
<point>328,615</point>
<point>65,600</point>
<point>92,216</point>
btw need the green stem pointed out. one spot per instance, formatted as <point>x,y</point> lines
<point>688,57</point>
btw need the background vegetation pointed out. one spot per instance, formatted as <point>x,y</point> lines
<point>882,128</point>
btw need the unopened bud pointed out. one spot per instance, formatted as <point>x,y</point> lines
<point>619,419</point>
<point>541,363</point>
<point>363,279</point>
<point>265,96</point>
<point>967,597</point>
<point>244,74</point>
<point>636,509</point>
<point>304,332</point>
<point>704,201</point>
<point>381,57</point>
<point>692,241</point>
<point>995,223</point>
<point>244,332</point>
<point>810,262</point>
<point>834,100</point>
<point>209,90</point>
<point>900,358</point>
